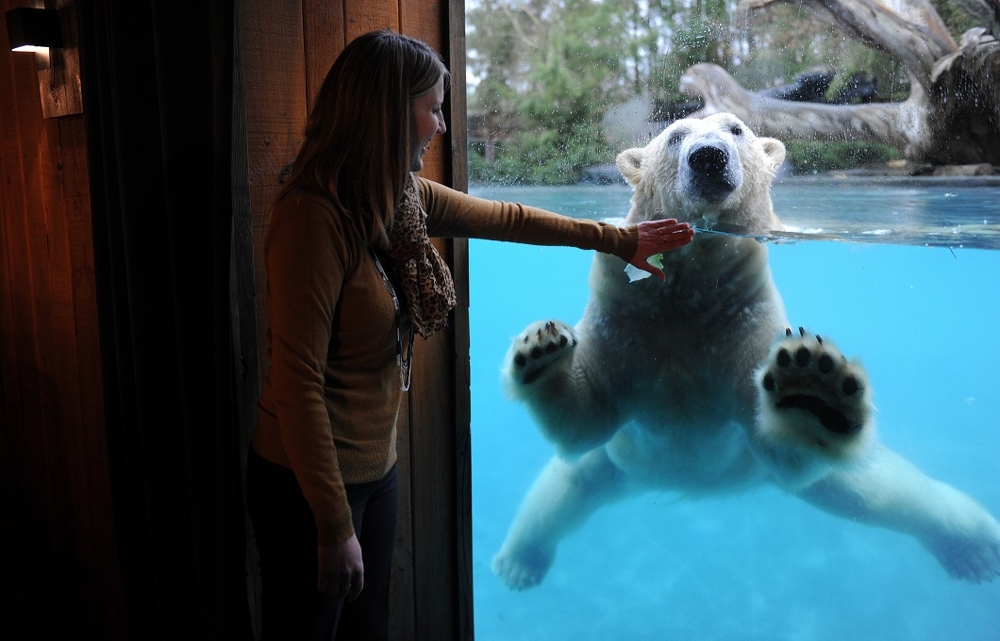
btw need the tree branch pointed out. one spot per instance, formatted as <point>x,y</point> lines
<point>896,124</point>
<point>915,35</point>
<point>987,12</point>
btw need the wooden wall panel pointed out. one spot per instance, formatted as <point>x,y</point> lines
<point>432,410</point>
<point>324,35</point>
<point>289,46</point>
<point>361,17</point>
<point>271,39</point>
<point>55,486</point>
<point>54,478</point>
<point>424,21</point>
<point>274,69</point>
<point>462,377</point>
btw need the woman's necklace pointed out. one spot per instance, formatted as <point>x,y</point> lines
<point>404,357</point>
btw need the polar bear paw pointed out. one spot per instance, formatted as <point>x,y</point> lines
<point>814,398</point>
<point>524,567</point>
<point>537,348</point>
<point>973,557</point>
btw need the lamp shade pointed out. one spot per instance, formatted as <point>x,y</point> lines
<point>28,29</point>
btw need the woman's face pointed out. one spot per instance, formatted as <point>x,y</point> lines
<point>426,121</point>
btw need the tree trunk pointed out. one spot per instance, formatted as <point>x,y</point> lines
<point>952,115</point>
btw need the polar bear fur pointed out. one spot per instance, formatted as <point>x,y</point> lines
<point>699,384</point>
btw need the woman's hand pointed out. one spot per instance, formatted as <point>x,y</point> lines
<point>658,236</point>
<point>341,569</point>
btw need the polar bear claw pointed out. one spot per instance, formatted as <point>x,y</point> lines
<point>539,346</point>
<point>807,377</point>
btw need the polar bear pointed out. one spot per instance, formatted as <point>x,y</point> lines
<point>699,385</point>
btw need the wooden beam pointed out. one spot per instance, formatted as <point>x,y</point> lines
<point>325,37</point>
<point>276,109</point>
<point>439,405</point>
<point>361,17</point>
<point>459,166</point>
<point>274,86</point>
<point>59,82</point>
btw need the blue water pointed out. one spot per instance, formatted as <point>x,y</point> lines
<point>762,565</point>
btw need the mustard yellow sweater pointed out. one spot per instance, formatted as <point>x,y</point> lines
<point>332,394</point>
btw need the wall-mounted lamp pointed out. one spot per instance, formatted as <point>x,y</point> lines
<point>33,29</point>
<point>51,34</point>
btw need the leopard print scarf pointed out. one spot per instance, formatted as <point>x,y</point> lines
<point>419,268</point>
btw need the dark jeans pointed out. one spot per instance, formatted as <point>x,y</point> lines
<point>291,607</point>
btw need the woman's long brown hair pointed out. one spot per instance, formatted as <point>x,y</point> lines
<point>357,138</point>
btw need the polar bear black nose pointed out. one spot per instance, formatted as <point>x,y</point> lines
<point>707,160</point>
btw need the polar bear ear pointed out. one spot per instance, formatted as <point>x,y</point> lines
<point>630,164</point>
<point>775,151</point>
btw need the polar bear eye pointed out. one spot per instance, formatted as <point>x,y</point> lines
<point>675,138</point>
<point>736,130</point>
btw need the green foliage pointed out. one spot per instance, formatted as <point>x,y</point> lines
<point>787,40</point>
<point>812,156</point>
<point>954,17</point>
<point>556,67</point>
<point>538,158</point>
<point>550,71</point>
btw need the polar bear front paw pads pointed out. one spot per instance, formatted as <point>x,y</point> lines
<point>805,377</point>
<point>539,346</point>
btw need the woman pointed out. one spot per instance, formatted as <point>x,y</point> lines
<point>351,276</point>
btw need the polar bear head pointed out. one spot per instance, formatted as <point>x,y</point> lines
<point>705,171</point>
